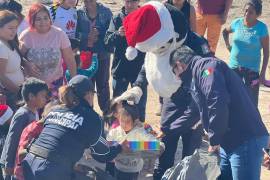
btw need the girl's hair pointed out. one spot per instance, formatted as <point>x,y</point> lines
<point>6,17</point>
<point>129,110</point>
<point>68,97</point>
<point>257,4</point>
<point>49,107</point>
<point>33,11</point>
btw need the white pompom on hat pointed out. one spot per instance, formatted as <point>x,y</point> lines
<point>5,113</point>
<point>148,28</point>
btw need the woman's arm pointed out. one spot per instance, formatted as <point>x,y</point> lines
<point>30,68</point>
<point>265,47</point>
<point>226,32</point>
<point>7,83</point>
<point>68,57</point>
<point>192,19</point>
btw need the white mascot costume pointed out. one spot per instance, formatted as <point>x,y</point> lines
<point>150,29</point>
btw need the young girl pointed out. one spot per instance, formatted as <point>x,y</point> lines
<point>250,35</point>
<point>128,165</point>
<point>64,16</point>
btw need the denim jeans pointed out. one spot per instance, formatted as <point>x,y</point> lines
<point>244,163</point>
<point>120,85</point>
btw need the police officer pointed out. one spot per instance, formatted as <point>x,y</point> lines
<point>68,130</point>
<point>233,122</point>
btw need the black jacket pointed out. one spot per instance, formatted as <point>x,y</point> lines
<point>121,67</point>
<point>68,131</point>
<point>227,112</point>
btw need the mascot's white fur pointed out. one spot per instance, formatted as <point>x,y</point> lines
<point>158,45</point>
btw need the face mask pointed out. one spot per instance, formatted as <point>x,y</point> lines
<point>160,75</point>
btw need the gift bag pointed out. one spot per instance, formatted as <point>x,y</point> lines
<point>200,166</point>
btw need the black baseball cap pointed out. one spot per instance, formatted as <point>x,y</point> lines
<point>81,85</point>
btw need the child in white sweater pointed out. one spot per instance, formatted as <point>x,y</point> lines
<point>128,165</point>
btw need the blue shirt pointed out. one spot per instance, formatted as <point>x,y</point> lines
<point>246,45</point>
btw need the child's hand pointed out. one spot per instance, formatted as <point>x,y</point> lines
<point>160,135</point>
<point>125,146</point>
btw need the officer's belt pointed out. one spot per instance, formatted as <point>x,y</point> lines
<point>49,155</point>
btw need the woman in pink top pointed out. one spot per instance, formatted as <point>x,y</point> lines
<point>45,45</point>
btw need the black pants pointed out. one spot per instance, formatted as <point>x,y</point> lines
<point>119,175</point>
<point>191,141</point>
<point>102,81</point>
<point>248,76</point>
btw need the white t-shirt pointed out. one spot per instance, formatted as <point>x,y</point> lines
<point>129,162</point>
<point>44,50</point>
<point>65,19</point>
<point>13,67</point>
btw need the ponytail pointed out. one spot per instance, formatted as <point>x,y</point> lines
<point>68,97</point>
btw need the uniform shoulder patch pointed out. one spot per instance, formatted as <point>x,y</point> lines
<point>207,72</point>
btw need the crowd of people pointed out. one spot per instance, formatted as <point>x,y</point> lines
<point>57,57</point>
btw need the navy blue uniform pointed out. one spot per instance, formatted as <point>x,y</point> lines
<point>175,108</point>
<point>228,114</point>
<point>67,132</point>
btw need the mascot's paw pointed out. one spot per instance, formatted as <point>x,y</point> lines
<point>131,53</point>
<point>134,94</point>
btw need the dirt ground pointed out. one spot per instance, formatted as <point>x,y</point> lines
<point>222,53</point>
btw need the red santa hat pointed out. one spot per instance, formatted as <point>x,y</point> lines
<point>148,28</point>
<point>5,114</point>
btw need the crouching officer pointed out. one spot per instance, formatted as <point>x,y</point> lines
<point>233,122</point>
<point>69,128</point>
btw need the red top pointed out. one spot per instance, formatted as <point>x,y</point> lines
<point>31,132</point>
<point>211,6</point>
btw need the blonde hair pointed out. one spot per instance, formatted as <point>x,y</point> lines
<point>68,97</point>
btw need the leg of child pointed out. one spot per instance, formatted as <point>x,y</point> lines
<point>119,175</point>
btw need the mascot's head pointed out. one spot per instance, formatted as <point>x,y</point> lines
<point>156,29</point>
<point>149,29</point>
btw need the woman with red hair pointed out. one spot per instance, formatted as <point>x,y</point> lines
<point>45,45</point>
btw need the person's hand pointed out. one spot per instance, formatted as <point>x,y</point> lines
<point>95,34</point>
<point>3,98</point>
<point>31,69</point>
<point>160,135</point>
<point>223,18</point>
<point>92,37</point>
<point>122,31</point>
<point>134,94</point>
<point>266,83</point>
<point>213,149</point>
<point>8,171</point>
<point>125,146</point>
